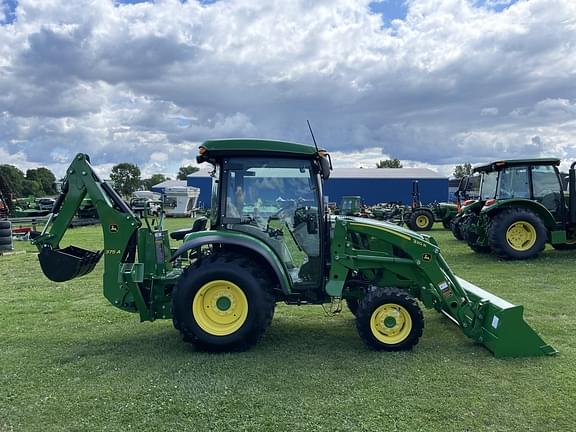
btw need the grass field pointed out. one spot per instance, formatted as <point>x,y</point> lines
<point>69,361</point>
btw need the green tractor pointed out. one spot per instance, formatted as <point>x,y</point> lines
<point>522,206</point>
<point>422,218</point>
<point>467,197</point>
<point>269,239</point>
<point>351,205</point>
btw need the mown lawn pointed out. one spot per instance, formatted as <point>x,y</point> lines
<point>69,361</point>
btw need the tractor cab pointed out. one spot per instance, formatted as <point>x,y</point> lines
<point>468,189</point>
<point>275,199</point>
<point>534,179</point>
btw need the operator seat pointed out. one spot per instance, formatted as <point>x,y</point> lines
<point>199,225</point>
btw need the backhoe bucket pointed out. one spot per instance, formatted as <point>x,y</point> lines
<point>60,265</point>
<point>503,329</point>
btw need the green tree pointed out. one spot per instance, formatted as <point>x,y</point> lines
<point>14,178</point>
<point>389,163</point>
<point>153,180</point>
<point>462,170</point>
<point>126,178</point>
<point>45,178</point>
<point>32,188</point>
<point>185,171</point>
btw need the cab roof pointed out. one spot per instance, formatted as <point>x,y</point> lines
<point>501,164</point>
<point>256,147</point>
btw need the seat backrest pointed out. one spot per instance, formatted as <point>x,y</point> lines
<point>199,224</point>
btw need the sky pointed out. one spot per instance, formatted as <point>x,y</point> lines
<point>434,83</point>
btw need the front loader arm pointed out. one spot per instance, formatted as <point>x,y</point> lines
<point>387,255</point>
<point>119,226</point>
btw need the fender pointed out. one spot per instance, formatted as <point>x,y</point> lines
<point>534,206</point>
<point>197,239</point>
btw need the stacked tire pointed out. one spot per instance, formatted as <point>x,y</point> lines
<point>5,236</point>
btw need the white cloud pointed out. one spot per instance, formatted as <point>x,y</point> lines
<point>491,111</point>
<point>455,81</point>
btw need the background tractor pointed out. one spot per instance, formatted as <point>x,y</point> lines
<point>422,217</point>
<point>269,239</point>
<point>522,206</point>
<point>467,196</point>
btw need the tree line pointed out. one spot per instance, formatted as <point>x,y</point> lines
<point>38,182</point>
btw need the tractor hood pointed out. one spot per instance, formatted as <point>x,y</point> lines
<point>390,228</point>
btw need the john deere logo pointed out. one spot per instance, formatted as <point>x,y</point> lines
<point>426,257</point>
<point>113,228</point>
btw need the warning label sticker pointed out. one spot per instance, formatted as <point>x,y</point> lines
<point>495,322</point>
<point>445,288</point>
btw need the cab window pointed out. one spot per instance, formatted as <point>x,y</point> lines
<point>513,183</point>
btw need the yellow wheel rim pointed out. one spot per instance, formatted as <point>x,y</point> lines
<point>422,221</point>
<point>220,307</point>
<point>390,323</point>
<point>521,236</point>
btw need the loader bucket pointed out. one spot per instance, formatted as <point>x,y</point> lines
<point>504,331</point>
<point>60,265</point>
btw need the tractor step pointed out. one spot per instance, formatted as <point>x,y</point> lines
<point>504,331</point>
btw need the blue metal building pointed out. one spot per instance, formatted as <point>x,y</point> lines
<point>374,185</point>
<point>377,185</point>
<point>202,180</point>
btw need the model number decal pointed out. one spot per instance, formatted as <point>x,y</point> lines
<point>113,252</point>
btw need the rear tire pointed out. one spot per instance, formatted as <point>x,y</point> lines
<point>222,303</point>
<point>421,220</point>
<point>352,304</point>
<point>388,319</point>
<point>5,224</point>
<point>517,234</point>
<point>5,240</point>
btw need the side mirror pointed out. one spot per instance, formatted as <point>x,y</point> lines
<point>325,164</point>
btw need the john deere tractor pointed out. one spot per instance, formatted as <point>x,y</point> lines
<point>269,239</point>
<point>522,206</point>
<point>422,217</point>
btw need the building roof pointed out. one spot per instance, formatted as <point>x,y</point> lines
<point>381,173</point>
<point>170,184</point>
<point>386,173</point>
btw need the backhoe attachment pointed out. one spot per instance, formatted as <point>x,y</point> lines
<point>118,222</point>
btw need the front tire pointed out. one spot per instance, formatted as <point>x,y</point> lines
<point>223,303</point>
<point>455,227</point>
<point>388,319</point>
<point>470,235</point>
<point>517,234</point>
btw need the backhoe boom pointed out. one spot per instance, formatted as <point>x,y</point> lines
<point>124,283</point>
